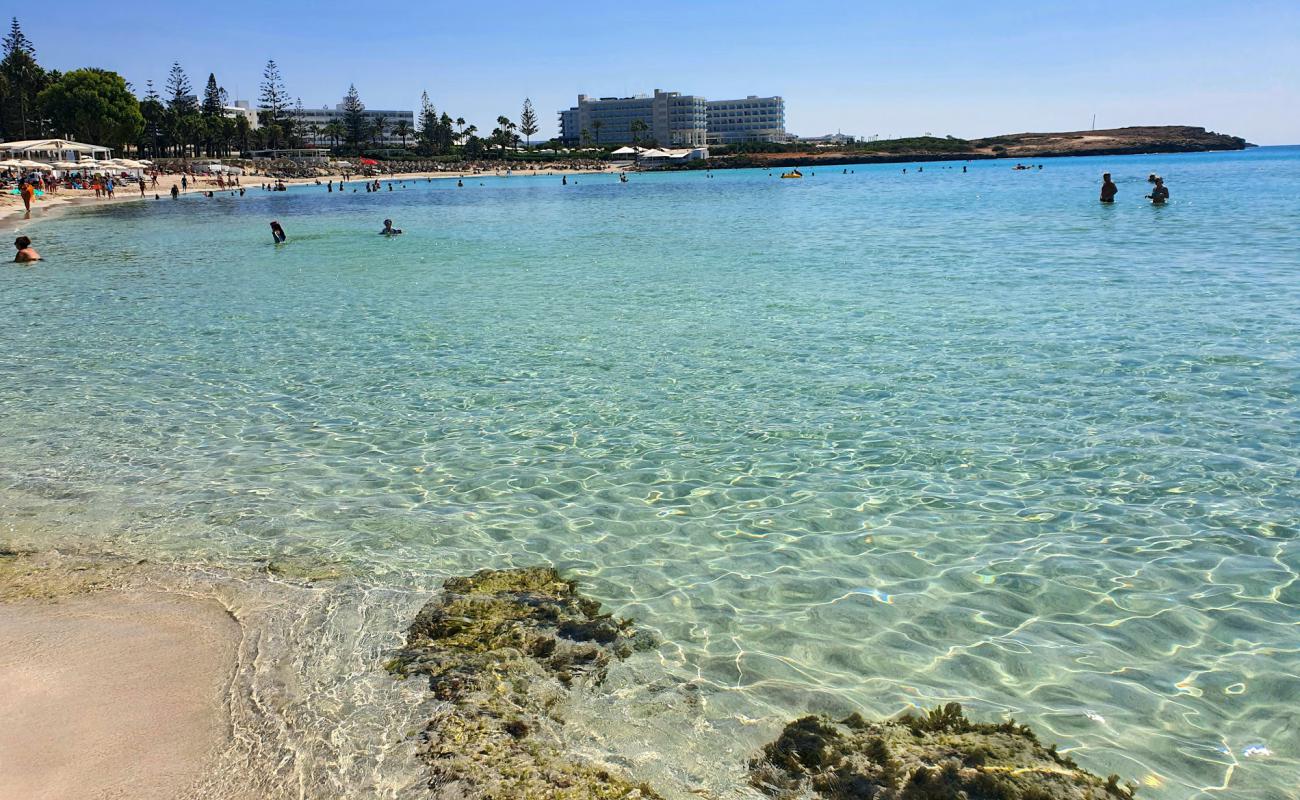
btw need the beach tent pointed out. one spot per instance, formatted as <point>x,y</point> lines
<point>627,151</point>
<point>54,149</point>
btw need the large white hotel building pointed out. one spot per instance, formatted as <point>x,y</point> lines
<point>673,119</point>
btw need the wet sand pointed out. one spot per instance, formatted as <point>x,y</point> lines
<point>112,695</point>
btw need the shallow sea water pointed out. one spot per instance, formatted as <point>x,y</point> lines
<point>854,442</point>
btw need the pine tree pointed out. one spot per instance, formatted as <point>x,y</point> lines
<point>17,41</point>
<point>213,114</point>
<point>275,104</point>
<point>180,96</point>
<point>528,121</point>
<point>154,113</point>
<point>354,117</point>
<point>21,79</point>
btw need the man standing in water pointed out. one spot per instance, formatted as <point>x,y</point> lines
<point>1108,188</point>
<point>1160,193</point>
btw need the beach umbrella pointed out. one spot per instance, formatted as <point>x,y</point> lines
<point>11,162</point>
<point>66,165</point>
<point>35,165</point>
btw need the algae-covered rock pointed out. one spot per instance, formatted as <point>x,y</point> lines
<point>501,647</point>
<point>939,756</point>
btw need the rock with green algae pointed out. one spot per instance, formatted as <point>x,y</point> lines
<point>939,756</point>
<point>501,648</point>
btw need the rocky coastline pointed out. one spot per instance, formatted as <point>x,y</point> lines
<point>502,648</point>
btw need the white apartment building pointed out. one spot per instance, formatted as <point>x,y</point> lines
<point>669,118</point>
<point>672,119</point>
<point>754,119</point>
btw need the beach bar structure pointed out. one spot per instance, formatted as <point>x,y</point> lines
<point>50,150</point>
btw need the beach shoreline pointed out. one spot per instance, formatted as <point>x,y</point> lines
<point>13,217</point>
<point>133,678</point>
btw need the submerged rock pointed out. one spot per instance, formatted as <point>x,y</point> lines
<point>939,756</point>
<point>502,647</point>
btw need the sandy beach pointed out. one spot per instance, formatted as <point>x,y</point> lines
<point>114,694</point>
<point>131,679</point>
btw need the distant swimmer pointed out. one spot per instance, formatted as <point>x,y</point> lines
<point>1152,178</point>
<point>564,180</point>
<point>1159,193</point>
<point>460,184</point>
<point>26,253</point>
<point>175,192</point>
<point>277,232</point>
<point>1108,188</point>
<point>963,169</point>
<point>389,230</point>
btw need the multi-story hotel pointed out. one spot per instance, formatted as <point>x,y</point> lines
<point>311,123</point>
<point>672,119</point>
<point>754,119</point>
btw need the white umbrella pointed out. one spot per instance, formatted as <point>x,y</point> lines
<point>66,165</point>
<point>37,166</point>
<point>11,162</point>
<point>128,163</point>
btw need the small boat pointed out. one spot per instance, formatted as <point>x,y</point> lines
<point>794,173</point>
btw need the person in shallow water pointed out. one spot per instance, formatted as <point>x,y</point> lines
<point>277,232</point>
<point>26,253</point>
<point>1159,192</point>
<point>1108,188</point>
<point>389,230</point>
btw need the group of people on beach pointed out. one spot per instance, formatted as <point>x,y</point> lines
<point>1159,192</point>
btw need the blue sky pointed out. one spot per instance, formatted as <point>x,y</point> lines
<point>903,68</point>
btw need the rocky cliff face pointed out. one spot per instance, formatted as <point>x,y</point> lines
<point>1114,141</point>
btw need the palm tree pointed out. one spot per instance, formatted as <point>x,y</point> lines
<point>460,125</point>
<point>335,130</point>
<point>313,132</point>
<point>596,125</point>
<point>402,130</point>
<point>638,127</point>
<point>378,128</point>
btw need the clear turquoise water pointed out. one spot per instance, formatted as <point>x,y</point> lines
<point>857,441</point>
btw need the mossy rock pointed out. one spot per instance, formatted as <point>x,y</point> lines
<point>941,755</point>
<point>502,647</point>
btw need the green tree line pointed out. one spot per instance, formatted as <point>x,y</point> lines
<point>100,106</point>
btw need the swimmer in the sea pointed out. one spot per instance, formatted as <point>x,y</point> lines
<point>277,232</point>
<point>26,253</point>
<point>1159,193</point>
<point>389,230</point>
<point>1108,188</point>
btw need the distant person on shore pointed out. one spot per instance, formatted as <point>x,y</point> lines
<point>389,230</point>
<point>185,182</point>
<point>27,193</point>
<point>1159,193</point>
<point>26,253</point>
<point>277,233</point>
<point>1108,188</point>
